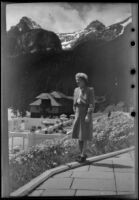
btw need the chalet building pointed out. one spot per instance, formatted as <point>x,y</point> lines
<point>54,103</point>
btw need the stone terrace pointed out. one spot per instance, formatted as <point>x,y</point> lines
<point>112,176</point>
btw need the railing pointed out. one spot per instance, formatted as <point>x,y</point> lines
<point>50,129</point>
<point>23,135</point>
<point>34,138</point>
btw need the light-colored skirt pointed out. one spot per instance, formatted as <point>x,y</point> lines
<point>81,129</point>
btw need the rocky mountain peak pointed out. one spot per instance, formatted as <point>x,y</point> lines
<point>28,37</point>
<point>25,24</point>
<point>96,25</point>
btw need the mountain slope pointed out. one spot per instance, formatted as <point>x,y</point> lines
<point>29,37</point>
<point>94,31</point>
<point>106,58</point>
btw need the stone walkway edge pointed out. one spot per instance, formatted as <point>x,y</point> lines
<point>30,186</point>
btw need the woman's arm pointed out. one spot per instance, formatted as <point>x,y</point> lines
<point>74,107</point>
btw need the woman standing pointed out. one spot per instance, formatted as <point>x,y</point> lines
<point>83,106</point>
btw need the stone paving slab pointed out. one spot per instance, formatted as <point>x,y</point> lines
<point>124,160</point>
<point>103,168</point>
<point>123,157</point>
<point>83,168</point>
<point>132,156</point>
<point>125,193</point>
<point>59,192</point>
<point>127,165</point>
<point>106,161</point>
<point>124,170</point>
<point>93,193</point>
<point>93,174</point>
<point>94,184</point>
<point>125,182</point>
<point>127,154</point>
<point>106,177</point>
<point>132,153</point>
<point>36,193</point>
<point>61,183</point>
<point>103,163</point>
<point>64,174</point>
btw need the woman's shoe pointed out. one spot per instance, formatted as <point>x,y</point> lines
<point>81,159</point>
<point>78,158</point>
<point>85,155</point>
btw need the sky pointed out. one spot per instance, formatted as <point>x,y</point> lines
<point>67,17</point>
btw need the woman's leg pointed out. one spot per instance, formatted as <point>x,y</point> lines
<point>84,147</point>
<point>81,146</point>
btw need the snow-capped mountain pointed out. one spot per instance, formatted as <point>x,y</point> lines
<point>68,39</point>
<point>25,24</point>
<point>95,30</point>
<point>28,36</point>
<point>95,26</point>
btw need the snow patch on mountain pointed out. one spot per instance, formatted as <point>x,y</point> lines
<point>94,28</point>
<point>126,22</point>
<point>67,39</point>
<point>122,31</point>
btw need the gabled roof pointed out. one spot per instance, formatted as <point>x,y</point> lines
<point>46,96</point>
<point>52,96</point>
<point>36,103</point>
<point>57,94</point>
<point>54,102</point>
<point>43,96</point>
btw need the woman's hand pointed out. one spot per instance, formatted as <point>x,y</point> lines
<point>87,118</point>
<point>91,108</point>
<point>74,109</point>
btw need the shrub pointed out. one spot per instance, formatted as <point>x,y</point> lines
<point>114,133</point>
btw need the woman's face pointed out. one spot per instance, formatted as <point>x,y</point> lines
<point>80,82</point>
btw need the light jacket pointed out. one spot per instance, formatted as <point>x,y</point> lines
<point>89,97</point>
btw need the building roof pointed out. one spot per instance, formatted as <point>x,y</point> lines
<point>52,96</point>
<point>57,94</point>
<point>54,102</point>
<point>36,103</point>
<point>45,96</point>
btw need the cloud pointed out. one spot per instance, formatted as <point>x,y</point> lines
<point>67,17</point>
<point>52,19</point>
<point>108,13</point>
